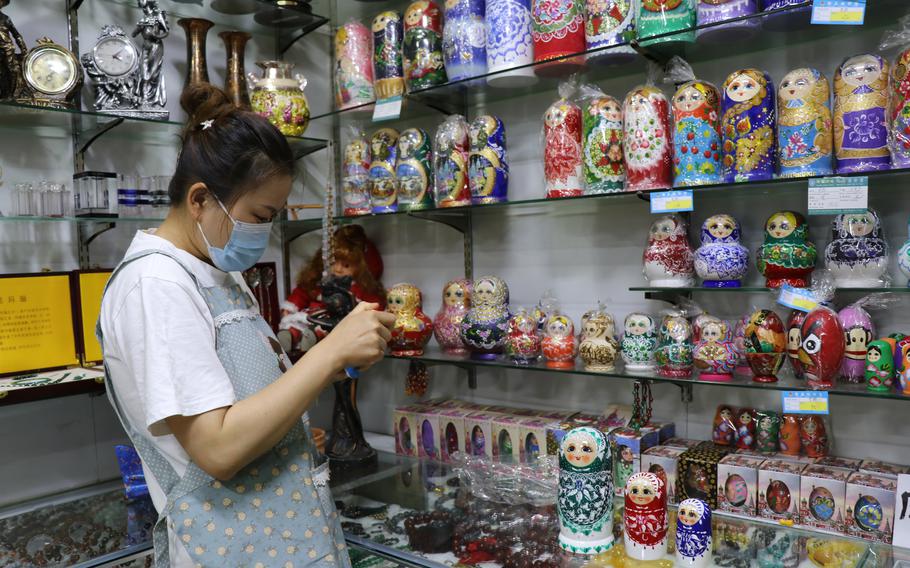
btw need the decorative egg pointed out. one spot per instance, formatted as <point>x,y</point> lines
<point>778,496</point>
<point>822,349</point>
<point>868,513</point>
<point>821,503</point>
<point>736,490</point>
<point>698,482</point>
<point>766,345</point>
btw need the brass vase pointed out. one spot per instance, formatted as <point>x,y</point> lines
<point>196,30</point>
<point>235,81</point>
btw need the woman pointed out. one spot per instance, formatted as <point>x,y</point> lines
<point>196,376</point>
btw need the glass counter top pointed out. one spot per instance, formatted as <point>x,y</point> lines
<point>50,384</point>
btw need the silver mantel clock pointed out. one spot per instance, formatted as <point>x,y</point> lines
<point>52,75</point>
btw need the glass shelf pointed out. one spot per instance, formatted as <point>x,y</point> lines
<point>40,219</point>
<point>750,289</point>
<point>50,384</point>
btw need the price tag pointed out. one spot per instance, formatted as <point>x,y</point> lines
<point>839,12</point>
<point>805,402</point>
<point>672,201</point>
<point>387,109</point>
<point>797,298</point>
<point>835,195</point>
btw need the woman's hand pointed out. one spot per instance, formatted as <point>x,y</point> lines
<point>360,339</point>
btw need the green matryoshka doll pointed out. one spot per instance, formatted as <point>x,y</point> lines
<point>880,365</point>
<point>787,255</point>
<point>413,170</point>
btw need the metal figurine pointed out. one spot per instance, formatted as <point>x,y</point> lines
<point>10,61</point>
<point>150,89</point>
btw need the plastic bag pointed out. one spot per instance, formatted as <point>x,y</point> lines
<point>674,344</point>
<point>355,181</point>
<point>859,331</point>
<point>696,127</point>
<point>668,259</point>
<point>597,343</point>
<point>646,136</point>
<point>387,66</point>
<point>523,342</point>
<point>602,140</point>
<point>534,483</point>
<point>639,343</point>
<point>450,163</point>
<point>558,343</point>
<point>383,184</point>
<point>899,99</point>
<point>413,170</point>
<point>488,166</point>
<point>353,65</point>
<point>857,255</point>
<point>715,354</point>
<point>562,135</point>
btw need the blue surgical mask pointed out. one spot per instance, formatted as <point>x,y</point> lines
<point>245,246</point>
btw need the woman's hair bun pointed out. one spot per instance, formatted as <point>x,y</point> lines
<point>204,101</point>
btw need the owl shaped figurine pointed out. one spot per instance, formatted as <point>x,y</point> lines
<point>766,345</point>
<point>486,324</point>
<point>674,347</point>
<point>857,255</point>
<point>456,300</point>
<point>669,261</point>
<point>693,534</point>
<point>585,502</point>
<point>412,327</point>
<point>523,342</point>
<point>638,343</point>
<point>558,343</point>
<point>599,347</point>
<point>714,353</point>
<point>645,517</point>
<point>721,261</point>
<point>787,255</point>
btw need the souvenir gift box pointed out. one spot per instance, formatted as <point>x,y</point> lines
<point>628,445</point>
<point>883,468</point>
<point>429,436</point>
<point>662,461</point>
<point>684,443</point>
<point>404,426</point>
<point>533,438</point>
<point>737,484</point>
<point>869,506</point>
<point>835,461</point>
<point>805,460</point>
<point>778,490</point>
<point>451,430</point>
<point>478,431</point>
<point>507,446</point>
<point>696,474</point>
<point>665,430</point>
<point>821,497</point>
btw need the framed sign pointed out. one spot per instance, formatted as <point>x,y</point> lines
<point>89,287</point>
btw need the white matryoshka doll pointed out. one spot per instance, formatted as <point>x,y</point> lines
<point>639,341</point>
<point>857,255</point>
<point>585,502</point>
<point>669,261</point>
<point>693,534</point>
<point>860,122</point>
<point>645,517</point>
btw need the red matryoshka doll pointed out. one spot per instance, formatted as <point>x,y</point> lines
<point>789,435</point>
<point>558,29</point>
<point>645,517</point>
<point>813,436</point>
<point>669,260</point>
<point>787,256</point>
<point>822,349</point>
<point>562,147</point>
<point>724,432</point>
<point>558,343</point>
<point>412,327</point>
<point>745,429</point>
<point>795,341</point>
<point>766,344</point>
<point>523,341</point>
<point>456,300</point>
<point>646,140</point>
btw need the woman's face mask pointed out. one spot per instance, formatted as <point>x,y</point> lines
<point>245,246</point>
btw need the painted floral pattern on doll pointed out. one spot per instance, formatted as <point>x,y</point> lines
<point>696,134</point>
<point>464,39</point>
<point>646,140</point>
<point>860,122</point>
<point>787,255</point>
<point>721,261</point>
<point>585,500</point>
<point>604,169</point>
<point>450,163</point>
<point>857,255</point>
<point>456,299</point>
<point>488,168</point>
<point>486,324</point>
<point>693,533</point>
<point>562,150</point>
<point>899,113</point>
<point>668,258</point>
<point>748,126</point>
<point>805,136</point>
<point>645,516</point>
<point>674,347</point>
<point>639,340</point>
<point>423,65</point>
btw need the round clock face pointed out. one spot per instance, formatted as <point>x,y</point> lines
<point>51,71</point>
<point>115,56</point>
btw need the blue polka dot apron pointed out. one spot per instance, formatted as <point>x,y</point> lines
<point>277,511</point>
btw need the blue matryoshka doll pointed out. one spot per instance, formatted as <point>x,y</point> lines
<point>488,168</point>
<point>804,124</point>
<point>721,261</point>
<point>748,126</point>
<point>464,39</point>
<point>387,55</point>
<point>693,534</point>
<point>383,185</point>
<point>696,134</point>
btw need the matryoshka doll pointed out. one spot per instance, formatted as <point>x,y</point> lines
<point>904,376</point>
<point>638,343</point>
<point>795,341</point>
<point>610,23</point>
<point>693,534</point>
<point>879,366</point>
<point>712,12</point>
<point>721,261</point>
<point>450,163</point>
<point>488,169</point>
<point>857,255</point>
<point>714,353</point>
<point>415,177</point>
<point>523,341</point>
<point>669,261</point>
<point>822,350</point>
<point>464,39</point>
<point>748,126</point>
<point>562,149</point>
<point>674,347</point>
<point>899,111</point>
<point>558,29</point>
<point>859,331</point>
<point>599,347</point>
<point>604,169</point>
<point>356,182</point>
<point>353,65</point>
<point>724,430</point>
<point>745,429</point>
<point>423,66</point>
<point>766,345</point>
<point>558,343</point>
<point>646,140</point>
<point>813,436</point>
<point>787,255</point>
<point>789,435</point>
<point>486,324</point>
<point>804,131</point>
<point>509,43</point>
<point>860,109</point>
<point>767,431</point>
<point>645,517</point>
<point>383,185</point>
<point>666,18</point>
<point>903,260</point>
<point>412,327</point>
<point>387,36</point>
<point>585,500</point>
<point>696,134</point>
<point>456,300</point>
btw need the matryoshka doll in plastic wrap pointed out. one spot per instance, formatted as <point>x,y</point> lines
<point>667,18</point>
<point>766,345</point>
<point>509,43</point>
<point>412,327</point>
<point>879,370</point>
<point>693,534</point>
<point>413,170</point>
<point>903,259</point>
<point>488,168</point>
<point>813,436</point>
<point>745,429</point>
<point>822,349</point>
<point>795,341</point>
<point>711,14</point>
<point>674,347</point>
<point>789,435</point>
<point>450,163</point>
<point>748,126</point>
<point>562,146</point>
<point>456,300</point>
<point>645,517</point>
<point>899,111</point>
<point>714,353</point>
<point>787,255</point>
<point>523,342</point>
<point>860,115</point>
<point>585,500</point>
<point>355,185</point>
<point>423,66</point>
<point>383,184</point>
<point>696,134</point>
<point>599,348</point>
<point>486,324</point>
<point>804,132</point>
<point>610,23</point>
<point>646,140</point>
<point>558,343</point>
<point>558,29</point>
<point>767,431</point>
<point>464,39</point>
<point>669,261</point>
<point>638,343</point>
<point>739,344</point>
<point>353,65</point>
<point>724,430</point>
<point>857,255</point>
<point>859,331</point>
<point>387,69</point>
<point>604,169</point>
<point>721,261</point>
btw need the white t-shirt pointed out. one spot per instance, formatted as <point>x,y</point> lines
<point>159,346</point>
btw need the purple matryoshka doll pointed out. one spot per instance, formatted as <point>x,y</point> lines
<point>464,39</point>
<point>610,23</point>
<point>859,331</point>
<point>488,168</point>
<point>456,299</point>
<point>899,111</point>
<point>383,184</point>
<point>721,261</point>
<point>387,35</point>
<point>748,126</point>
<point>711,14</point>
<point>804,124</point>
<point>693,534</point>
<point>696,134</point>
<point>860,115</point>
<point>486,325</point>
<point>857,255</point>
<point>423,65</point>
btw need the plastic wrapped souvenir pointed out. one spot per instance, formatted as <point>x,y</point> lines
<point>509,43</point>
<point>724,431</point>
<point>562,146</point>
<point>899,111</point>
<point>585,501</point>
<point>356,181</point>
<point>646,140</point>
<point>387,36</point>
<point>610,23</point>
<point>714,353</point>
<point>789,435</point>
<point>701,321</point>
<point>696,134</point>
<point>711,14</point>
<point>674,347</point>
<point>415,177</point>
<point>464,39</point>
<point>795,341</point>
<point>787,255</point>
<point>693,534</point>
<point>488,168</point>
<point>813,436</point>
<point>904,375</point>
<point>739,344</point>
<point>766,345</point>
<point>412,327</point>
<point>638,344</point>
<point>558,29</point>
<point>660,17</point>
<point>859,331</point>
<point>423,66</point>
<point>748,126</point>
<point>879,371</point>
<point>604,169</point>
<point>456,300</point>
<point>668,259</point>
<point>721,261</point>
<point>767,431</point>
<point>558,342</point>
<point>903,260</point>
<point>857,255</point>
<point>599,348</point>
<point>523,342</point>
<point>486,324</point>
<point>786,15</point>
<point>822,350</point>
<point>383,185</point>
<point>353,65</point>
<point>860,122</point>
<point>745,429</point>
<point>546,305</point>
<point>804,132</point>
<point>645,517</point>
<point>450,163</point>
